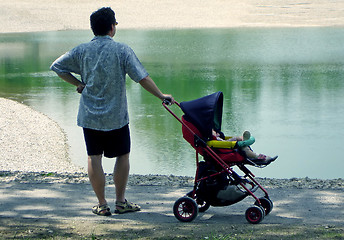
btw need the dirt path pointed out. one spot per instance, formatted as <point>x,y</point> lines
<point>64,210</point>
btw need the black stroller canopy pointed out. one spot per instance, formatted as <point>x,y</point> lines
<point>205,113</point>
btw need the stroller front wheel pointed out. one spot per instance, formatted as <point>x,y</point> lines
<point>185,209</point>
<point>255,214</point>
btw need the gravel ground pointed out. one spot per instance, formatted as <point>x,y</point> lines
<point>163,180</point>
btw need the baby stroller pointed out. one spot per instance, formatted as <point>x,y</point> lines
<point>216,183</point>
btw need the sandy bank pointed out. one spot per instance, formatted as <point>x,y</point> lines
<point>42,15</point>
<point>31,141</point>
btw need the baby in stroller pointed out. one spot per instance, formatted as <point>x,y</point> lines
<point>246,140</point>
<point>204,116</point>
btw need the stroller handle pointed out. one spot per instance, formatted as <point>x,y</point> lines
<point>167,101</point>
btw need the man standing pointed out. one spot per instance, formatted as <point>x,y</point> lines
<point>103,113</point>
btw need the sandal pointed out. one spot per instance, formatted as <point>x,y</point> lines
<point>102,210</point>
<point>124,207</point>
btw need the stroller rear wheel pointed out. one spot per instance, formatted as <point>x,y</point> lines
<point>185,209</point>
<point>255,214</point>
<point>266,203</point>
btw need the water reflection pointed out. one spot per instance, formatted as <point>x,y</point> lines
<point>284,85</point>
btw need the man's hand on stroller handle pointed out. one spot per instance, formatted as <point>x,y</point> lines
<point>168,99</point>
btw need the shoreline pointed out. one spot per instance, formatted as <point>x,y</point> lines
<point>176,29</point>
<point>161,180</point>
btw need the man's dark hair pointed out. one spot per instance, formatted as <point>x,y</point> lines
<point>101,21</point>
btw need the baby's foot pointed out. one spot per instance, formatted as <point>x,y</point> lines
<point>264,160</point>
<point>246,135</point>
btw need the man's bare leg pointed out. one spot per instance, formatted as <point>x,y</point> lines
<point>120,176</point>
<point>97,177</point>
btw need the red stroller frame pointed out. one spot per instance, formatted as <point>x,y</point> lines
<point>186,208</point>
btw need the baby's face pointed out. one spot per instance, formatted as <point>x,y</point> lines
<point>216,134</point>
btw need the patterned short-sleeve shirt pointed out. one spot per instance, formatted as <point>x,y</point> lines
<point>102,64</point>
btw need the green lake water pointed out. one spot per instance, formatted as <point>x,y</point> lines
<point>285,85</point>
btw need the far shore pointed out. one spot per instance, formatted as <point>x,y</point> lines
<point>41,15</point>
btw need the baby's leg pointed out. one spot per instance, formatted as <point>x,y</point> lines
<point>257,157</point>
<point>249,153</point>
<point>231,139</point>
<point>245,136</point>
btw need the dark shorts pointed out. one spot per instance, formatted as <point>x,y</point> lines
<point>110,143</point>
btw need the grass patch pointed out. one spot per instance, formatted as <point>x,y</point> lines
<point>39,229</point>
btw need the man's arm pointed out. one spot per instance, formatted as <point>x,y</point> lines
<point>68,77</point>
<point>148,84</point>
